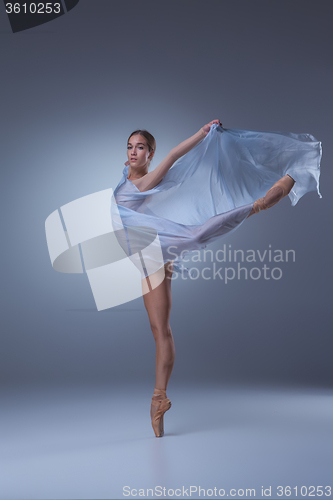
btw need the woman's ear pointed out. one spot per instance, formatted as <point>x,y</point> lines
<point>151,155</point>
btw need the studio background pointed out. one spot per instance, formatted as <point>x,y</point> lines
<point>76,383</point>
<point>72,92</point>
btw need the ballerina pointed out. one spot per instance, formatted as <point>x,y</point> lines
<point>134,195</point>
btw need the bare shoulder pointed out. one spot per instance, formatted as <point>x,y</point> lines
<point>147,182</point>
<point>153,178</point>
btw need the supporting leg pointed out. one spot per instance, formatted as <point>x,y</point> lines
<point>158,305</point>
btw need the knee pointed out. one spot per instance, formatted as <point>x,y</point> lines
<point>161,332</point>
<point>199,236</point>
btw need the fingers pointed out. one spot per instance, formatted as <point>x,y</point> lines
<point>216,121</point>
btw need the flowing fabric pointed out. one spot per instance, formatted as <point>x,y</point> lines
<point>210,191</point>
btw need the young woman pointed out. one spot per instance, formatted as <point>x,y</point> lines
<point>211,190</point>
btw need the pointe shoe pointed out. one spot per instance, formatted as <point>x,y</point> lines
<point>280,189</point>
<point>159,405</point>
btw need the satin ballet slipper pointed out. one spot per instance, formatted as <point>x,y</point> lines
<point>280,189</point>
<point>159,405</point>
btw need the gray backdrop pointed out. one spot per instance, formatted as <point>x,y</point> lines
<point>72,91</point>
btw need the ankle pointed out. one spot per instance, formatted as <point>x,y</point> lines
<point>159,395</point>
<point>159,392</point>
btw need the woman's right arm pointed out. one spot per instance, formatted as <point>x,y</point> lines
<point>150,180</point>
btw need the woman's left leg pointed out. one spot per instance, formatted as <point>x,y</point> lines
<point>278,191</point>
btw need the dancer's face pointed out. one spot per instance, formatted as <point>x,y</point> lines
<point>138,152</point>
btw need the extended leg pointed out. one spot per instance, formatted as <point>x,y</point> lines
<point>280,189</point>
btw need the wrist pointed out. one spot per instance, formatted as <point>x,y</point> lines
<point>202,133</point>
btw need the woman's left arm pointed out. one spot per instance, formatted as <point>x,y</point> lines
<point>186,146</point>
<point>150,180</point>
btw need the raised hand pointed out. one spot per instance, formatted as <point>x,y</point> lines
<point>206,128</point>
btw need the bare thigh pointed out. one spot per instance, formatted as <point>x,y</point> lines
<point>158,302</point>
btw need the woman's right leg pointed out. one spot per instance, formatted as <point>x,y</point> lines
<point>158,305</point>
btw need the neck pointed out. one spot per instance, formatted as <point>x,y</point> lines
<point>137,173</point>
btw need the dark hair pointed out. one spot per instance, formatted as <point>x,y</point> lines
<point>149,138</point>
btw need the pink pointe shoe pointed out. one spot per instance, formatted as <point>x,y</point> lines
<point>280,189</point>
<point>159,405</point>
